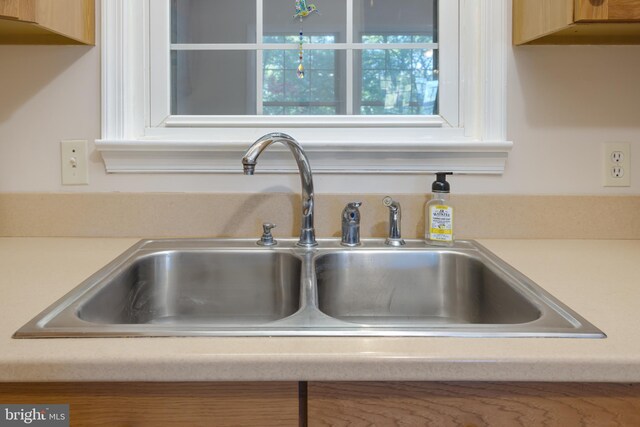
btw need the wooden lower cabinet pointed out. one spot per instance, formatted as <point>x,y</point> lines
<point>165,404</point>
<point>472,404</point>
<point>341,404</point>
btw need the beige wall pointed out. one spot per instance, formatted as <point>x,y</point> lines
<point>564,102</point>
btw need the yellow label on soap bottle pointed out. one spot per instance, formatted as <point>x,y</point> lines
<point>441,223</point>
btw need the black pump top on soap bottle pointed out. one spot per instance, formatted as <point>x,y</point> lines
<point>440,185</point>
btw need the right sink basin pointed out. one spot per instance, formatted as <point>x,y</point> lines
<point>463,290</point>
<point>413,288</point>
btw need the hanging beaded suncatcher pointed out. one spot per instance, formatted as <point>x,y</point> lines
<point>303,10</point>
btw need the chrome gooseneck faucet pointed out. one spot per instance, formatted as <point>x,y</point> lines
<point>250,159</point>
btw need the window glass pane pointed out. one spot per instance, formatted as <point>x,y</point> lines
<point>218,21</point>
<point>395,21</point>
<point>385,81</point>
<point>213,82</point>
<point>321,92</point>
<point>330,24</point>
<point>396,81</point>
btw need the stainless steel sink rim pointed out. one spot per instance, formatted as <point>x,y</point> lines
<point>61,318</point>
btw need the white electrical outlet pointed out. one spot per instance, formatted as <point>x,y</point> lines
<point>617,164</point>
<point>617,157</point>
<point>75,170</point>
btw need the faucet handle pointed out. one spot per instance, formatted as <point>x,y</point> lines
<point>351,211</point>
<point>267,239</point>
<point>387,201</point>
<point>351,224</point>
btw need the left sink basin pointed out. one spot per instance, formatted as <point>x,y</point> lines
<point>198,287</point>
<point>189,285</point>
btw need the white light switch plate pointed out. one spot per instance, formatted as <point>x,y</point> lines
<point>75,170</point>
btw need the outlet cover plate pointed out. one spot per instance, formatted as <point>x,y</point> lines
<point>617,164</point>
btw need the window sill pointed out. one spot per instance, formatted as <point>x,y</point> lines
<point>358,157</point>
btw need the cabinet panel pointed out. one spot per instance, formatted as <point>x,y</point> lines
<point>47,22</point>
<point>576,22</point>
<point>473,404</point>
<point>607,10</point>
<point>531,18</point>
<point>23,10</point>
<point>9,9</point>
<point>624,10</point>
<point>591,10</point>
<point>74,18</point>
<point>165,404</point>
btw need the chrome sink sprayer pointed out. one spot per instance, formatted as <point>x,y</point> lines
<point>395,216</point>
<point>250,159</point>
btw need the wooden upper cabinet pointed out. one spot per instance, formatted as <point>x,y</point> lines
<point>607,10</point>
<point>47,22</point>
<point>23,10</point>
<point>576,22</point>
<point>9,9</point>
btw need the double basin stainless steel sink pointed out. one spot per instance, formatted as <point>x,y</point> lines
<point>233,287</point>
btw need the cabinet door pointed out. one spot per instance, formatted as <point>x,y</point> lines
<point>47,22</point>
<point>73,18</point>
<point>263,404</point>
<point>607,10</point>
<point>9,9</point>
<point>472,404</point>
<point>23,10</point>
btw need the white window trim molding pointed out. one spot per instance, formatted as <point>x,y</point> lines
<point>130,145</point>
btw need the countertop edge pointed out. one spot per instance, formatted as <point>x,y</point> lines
<point>298,369</point>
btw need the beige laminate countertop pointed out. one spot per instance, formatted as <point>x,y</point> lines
<point>598,279</point>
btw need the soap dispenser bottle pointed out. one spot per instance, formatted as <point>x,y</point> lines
<point>439,213</point>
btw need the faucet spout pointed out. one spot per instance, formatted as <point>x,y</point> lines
<point>249,169</point>
<point>250,160</point>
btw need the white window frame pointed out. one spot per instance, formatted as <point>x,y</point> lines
<point>138,135</point>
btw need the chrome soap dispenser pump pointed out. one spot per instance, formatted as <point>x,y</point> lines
<point>438,213</point>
